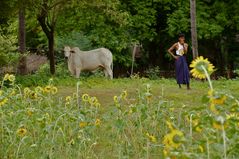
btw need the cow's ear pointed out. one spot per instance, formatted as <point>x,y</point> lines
<point>72,51</point>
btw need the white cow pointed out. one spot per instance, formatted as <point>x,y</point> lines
<point>89,60</point>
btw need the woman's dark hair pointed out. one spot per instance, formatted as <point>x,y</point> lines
<point>180,35</point>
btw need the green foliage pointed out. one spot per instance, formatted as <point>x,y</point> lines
<point>8,45</point>
<point>74,39</point>
<point>153,73</point>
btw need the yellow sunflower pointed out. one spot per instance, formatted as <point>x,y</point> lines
<point>26,91</point>
<point>6,77</point>
<point>11,78</point>
<point>219,101</point>
<point>54,90</point>
<point>68,99</point>
<point>116,99</point>
<point>170,125</point>
<point>233,116</point>
<point>3,101</point>
<point>199,129</point>
<point>200,148</point>
<point>213,108</point>
<point>218,125</point>
<point>21,132</point>
<point>173,139</point>
<point>85,97</point>
<point>39,89</point>
<point>124,95</point>
<point>148,96</point>
<point>151,138</point>
<point>197,67</point>
<point>97,122</point>
<point>33,95</point>
<point>47,89</point>
<point>30,112</point>
<point>83,124</point>
<point>93,100</point>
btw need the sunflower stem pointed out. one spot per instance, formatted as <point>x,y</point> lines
<point>208,77</point>
<point>208,151</point>
<point>224,142</point>
<point>191,129</point>
<point>77,93</point>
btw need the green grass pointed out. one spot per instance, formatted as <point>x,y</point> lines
<point>105,89</point>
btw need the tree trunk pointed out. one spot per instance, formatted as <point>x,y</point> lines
<point>48,29</point>
<point>22,68</point>
<point>22,35</point>
<point>51,52</point>
<point>193,28</point>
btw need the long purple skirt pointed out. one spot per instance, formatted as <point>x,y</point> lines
<point>182,71</point>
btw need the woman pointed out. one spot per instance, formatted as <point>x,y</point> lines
<point>182,71</point>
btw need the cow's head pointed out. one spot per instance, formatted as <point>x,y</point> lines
<point>67,51</point>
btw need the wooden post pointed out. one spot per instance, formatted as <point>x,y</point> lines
<point>133,59</point>
<point>193,28</point>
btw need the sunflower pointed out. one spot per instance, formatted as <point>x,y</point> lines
<point>68,99</point>
<point>11,78</point>
<point>33,95</point>
<point>213,108</point>
<point>219,126</point>
<point>54,90</point>
<point>6,77</point>
<point>30,112</point>
<point>97,122</point>
<point>39,89</point>
<point>233,116</point>
<point>200,148</point>
<point>219,123</point>
<point>47,89</point>
<point>170,125</point>
<point>93,100</point>
<point>151,138</point>
<point>173,139</point>
<point>3,101</point>
<point>219,100</point>
<point>13,92</point>
<point>124,95</point>
<point>26,91</point>
<point>199,129</point>
<point>148,96</point>
<point>83,124</point>
<point>85,97</point>
<point>197,67</point>
<point>116,99</point>
<point>21,132</point>
<point>97,105</point>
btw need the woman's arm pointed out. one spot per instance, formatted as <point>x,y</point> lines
<point>185,47</point>
<point>170,50</point>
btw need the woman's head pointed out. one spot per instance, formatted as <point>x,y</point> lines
<point>181,38</point>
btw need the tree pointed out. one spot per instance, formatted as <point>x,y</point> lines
<point>193,28</point>
<point>47,18</point>
<point>22,38</point>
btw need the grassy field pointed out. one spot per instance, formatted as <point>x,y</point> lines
<point>105,89</point>
<point>120,118</point>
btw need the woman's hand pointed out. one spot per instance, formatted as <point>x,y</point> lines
<point>175,57</point>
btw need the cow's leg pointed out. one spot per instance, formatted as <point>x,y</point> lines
<point>106,73</point>
<point>78,73</point>
<point>109,72</point>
